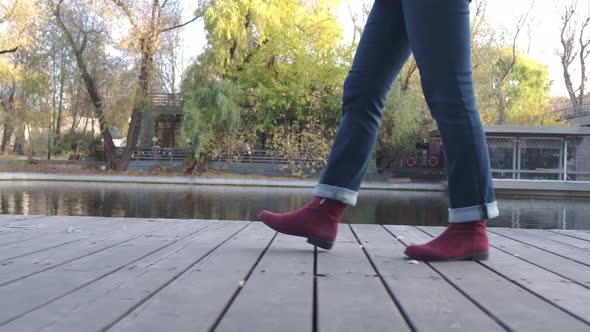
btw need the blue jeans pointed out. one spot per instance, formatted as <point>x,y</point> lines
<point>438,34</point>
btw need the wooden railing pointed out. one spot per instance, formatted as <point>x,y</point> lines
<point>166,99</point>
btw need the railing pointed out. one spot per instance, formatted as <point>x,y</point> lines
<point>259,156</point>
<point>166,99</point>
<point>158,154</point>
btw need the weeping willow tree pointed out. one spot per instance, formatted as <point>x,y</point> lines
<point>211,116</point>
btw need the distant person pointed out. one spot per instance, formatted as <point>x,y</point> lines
<point>438,34</point>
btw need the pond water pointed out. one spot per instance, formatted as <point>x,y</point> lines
<point>243,203</point>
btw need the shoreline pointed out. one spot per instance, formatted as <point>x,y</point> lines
<point>503,187</point>
<point>186,180</point>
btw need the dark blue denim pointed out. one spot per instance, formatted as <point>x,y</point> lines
<point>438,34</point>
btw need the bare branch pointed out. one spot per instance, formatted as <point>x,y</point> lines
<point>179,25</point>
<point>10,50</point>
<point>521,22</point>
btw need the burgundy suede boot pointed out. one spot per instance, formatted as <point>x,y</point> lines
<point>317,221</point>
<point>460,241</point>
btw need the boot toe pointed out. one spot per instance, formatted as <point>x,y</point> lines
<point>417,251</point>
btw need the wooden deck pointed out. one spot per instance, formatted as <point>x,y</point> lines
<point>109,274</point>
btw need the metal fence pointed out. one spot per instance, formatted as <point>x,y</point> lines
<point>537,159</point>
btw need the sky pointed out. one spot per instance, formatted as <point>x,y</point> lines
<point>503,14</point>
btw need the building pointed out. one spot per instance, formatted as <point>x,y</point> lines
<point>539,153</point>
<point>162,122</point>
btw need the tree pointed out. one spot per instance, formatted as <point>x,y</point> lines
<point>17,18</point>
<point>504,67</point>
<point>88,30</point>
<point>527,92</point>
<point>147,21</point>
<point>20,21</point>
<point>574,45</point>
<point>211,113</point>
<point>286,58</point>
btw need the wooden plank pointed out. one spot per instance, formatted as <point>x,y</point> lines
<point>279,294</point>
<point>515,307</point>
<point>195,300</point>
<point>10,218</point>
<point>431,303</point>
<point>562,249</point>
<point>102,303</point>
<point>575,234</point>
<point>562,292</point>
<point>347,285</point>
<point>43,288</point>
<point>560,238</point>
<point>65,237</point>
<point>24,266</point>
<point>38,228</point>
<point>568,269</point>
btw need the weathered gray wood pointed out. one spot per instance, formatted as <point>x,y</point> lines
<point>560,238</point>
<point>100,304</point>
<point>38,228</point>
<point>17,268</point>
<point>430,301</point>
<point>562,292</point>
<point>513,305</point>
<point>69,236</point>
<point>563,266</point>
<point>346,282</point>
<point>279,294</point>
<point>201,294</point>
<point>575,234</point>
<point>6,218</point>
<point>30,293</point>
<point>565,250</point>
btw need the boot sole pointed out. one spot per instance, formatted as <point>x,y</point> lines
<point>327,245</point>
<point>479,256</point>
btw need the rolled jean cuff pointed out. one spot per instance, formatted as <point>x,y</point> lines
<point>343,195</point>
<point>473,213</point>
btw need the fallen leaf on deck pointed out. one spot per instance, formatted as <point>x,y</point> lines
<point>413,262</point>
<point>400,237</point>
<point>242,283</point>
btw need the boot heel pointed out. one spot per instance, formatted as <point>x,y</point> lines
<point>320,243</point>
<point>482,256</point>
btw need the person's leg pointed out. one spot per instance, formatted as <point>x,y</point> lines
<point>439,35</point>
<point>382,52</point>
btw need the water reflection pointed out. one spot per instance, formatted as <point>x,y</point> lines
<point>241,203</point>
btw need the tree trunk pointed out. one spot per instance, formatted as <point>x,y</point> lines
<point>8,123</point>
<point>93,92</point>
<point>570,86</point>
<point>75,112</point>
<point>6,135</point>
<point>62,80</point>
<point>501,103</point>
